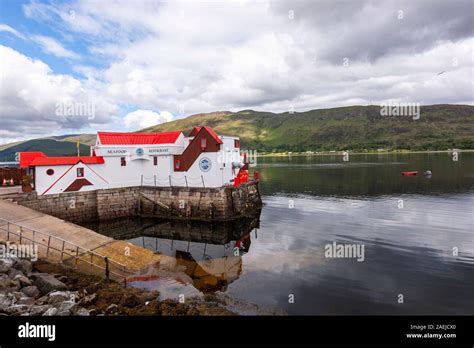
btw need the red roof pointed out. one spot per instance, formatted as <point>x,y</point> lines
<point>27,157</point>
<point>211,133</point>
<point>69,160</point>
<point>109,138</point>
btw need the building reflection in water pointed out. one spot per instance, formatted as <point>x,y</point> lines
<point>209,253</point>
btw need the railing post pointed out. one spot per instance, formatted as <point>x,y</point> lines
<point>21,232</point>
<point>106,259</point>
<point>8,231</point>
<point>169,176</point>
<point>77,254</point>
<point>185,179</point>
<point>202,178</point>
<point>141,180</point>
<point>62,250</point>
<point>154,177</point>
<point>49,242</point>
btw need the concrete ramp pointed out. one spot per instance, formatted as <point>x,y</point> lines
<point>68,242</point>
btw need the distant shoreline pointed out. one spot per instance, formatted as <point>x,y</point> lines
<point>340,153</point>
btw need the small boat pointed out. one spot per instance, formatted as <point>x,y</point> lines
<point>409,173</point>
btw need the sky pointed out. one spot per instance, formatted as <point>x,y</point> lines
<point>81,66</point>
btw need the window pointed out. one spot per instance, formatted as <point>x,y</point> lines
<point>177,164</point>
<point>80,172</point>
<point>50,171</point>
<point>203,143</point>
<point>237,143</point>
<point>155,161</point>
<point>123,163</point>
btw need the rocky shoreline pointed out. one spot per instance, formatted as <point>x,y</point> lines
<point>45,289</point>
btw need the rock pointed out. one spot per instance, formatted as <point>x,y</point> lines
<point>5,302</point>
<point>5,265</point>
<point>42,300</point>
<point>50,312</point>
<point>56,297</point>
<point>13,272</point>
<point>130,300</point>
<point>23,265</point>
<point>47,283</point>
<point>88,300</point>
<point>9,285</point>
<point>82,312</point>
<point>31,291</point>
<point>112,309</point>
<point>39,310</point>
<point>67,308</point>
<point>16,309</point>
<point>26,300</point>
<point>24,281</point>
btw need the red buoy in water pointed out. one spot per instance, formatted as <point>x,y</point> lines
<point>409,173</point>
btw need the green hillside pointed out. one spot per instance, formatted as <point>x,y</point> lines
<point>440,127</point>
<point>49,146</point>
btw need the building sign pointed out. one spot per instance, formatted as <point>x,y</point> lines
<point>117,152</point>
<point>205,164</point>
<point>158,151</point>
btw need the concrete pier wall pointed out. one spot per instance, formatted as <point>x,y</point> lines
<point>206,204</point>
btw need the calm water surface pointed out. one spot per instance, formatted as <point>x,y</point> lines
<point>409,227</point>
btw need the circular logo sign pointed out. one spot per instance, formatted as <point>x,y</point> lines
<point>139,151</point>
<point>205,164</point>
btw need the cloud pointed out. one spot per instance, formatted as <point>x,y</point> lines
<point>8,29</point>
<point>188,57</point>
<point>52,46</point>
<point>30,94</point>
<point>146,118</point>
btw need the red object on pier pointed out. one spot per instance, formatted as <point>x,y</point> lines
<point>256,176</point>
<point>409,173</point>
<point>4,182</point>
<point>242,177</point>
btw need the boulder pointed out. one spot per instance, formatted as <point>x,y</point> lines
<point>16,309</point>
<point>5,265</point>
<point>29,301</point>
<point>51,311</point>
<point>67,308</point>
<point>13,272</point>
<point>23,265</point>
<point>39,310</point>
<point>31,291</point>
<point>59,296</point>
<point>24,281</point>
<point>9,285</point>
<point>47,283</point>
<point>82,312</point>
<point>88,300</point>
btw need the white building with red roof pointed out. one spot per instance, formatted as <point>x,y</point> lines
<point>202,159</point>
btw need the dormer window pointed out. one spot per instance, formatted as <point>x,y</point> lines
<point>203,143</point>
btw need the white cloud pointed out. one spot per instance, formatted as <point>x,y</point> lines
<point>209,56</point>
<point>146,118</point>
<point>52,46</point>
<point>8,29</point>
<point>30,93</point>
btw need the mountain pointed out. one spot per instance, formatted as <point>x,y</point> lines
<point>50,147</point>
<point>440,127</point>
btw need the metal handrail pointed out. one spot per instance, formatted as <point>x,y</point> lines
<point>80,251</point>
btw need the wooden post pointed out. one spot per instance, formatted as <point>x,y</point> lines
<point>202,178</point>
<point>169,176</point>
<point>106,259</point>
<point>62,250</point>
<point>21,232</point>
<point>49,243</point>
<point>185,179</point>
<point>154,177</point>
<point>77,254</point>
